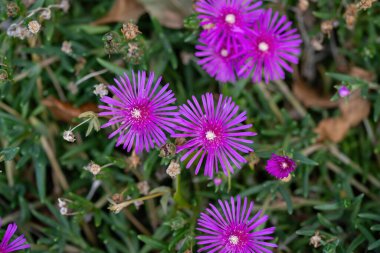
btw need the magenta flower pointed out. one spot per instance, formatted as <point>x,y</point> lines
<point>17,244</point>
<point>280,166</point>
<point>234,230</point>
<point>344,91</point>
<point>272,46</point>
<point>220,64</point>
<point>140,110</point>
<point>215,135</point>
<point>226,22</point>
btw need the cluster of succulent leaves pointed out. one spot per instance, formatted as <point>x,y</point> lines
<point>334,191</point>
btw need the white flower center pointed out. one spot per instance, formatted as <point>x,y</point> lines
<point>233,239</point>
<point>284,165</point>
<point>224,52</point>
<point>210,135</point>
<point>230,18</point>
<point>136,113</point>
<point>263,46</point>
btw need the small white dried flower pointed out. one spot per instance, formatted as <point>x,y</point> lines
<point>65,5</point>
<point>173,169</point>
<point>69,136</point>
<point>93,168</point>
<point>315,240</point>
<point>34,27</point>
<point>63,210</point>
<point>61,203</point>
<point>143,187</point>
<point>45,14</point>
<point>100,90</point>
<point>66,47</point>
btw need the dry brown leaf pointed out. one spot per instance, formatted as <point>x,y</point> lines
<point>170,13</point>
<point>122,11</point>
<point>332,129</point>
<point>65,111</point>
<point>355,109</point>
<point>310,98</point>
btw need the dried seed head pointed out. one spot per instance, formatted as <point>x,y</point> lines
<point>34,27</point>
<point>167,150</point>
<point>327,27</point>
<point>69,136</point>
<point>65,5</point>
<point>350,15</point>
<point>173,169</point>
<point>45,14</point>
<point>63,210</point>
<point>365,4</point>
<point>117,198</point>
<point>303,5</point>
<point>3,75</point>
<point>133,161</point>
<point>315,240</point>
<point>316,44</point>
<point>134,53</point>
<point>143,187</point>
<point>12,9</point>
<point>66,47</point>
<point>93,168</point>
<point>100,90</point>
<point>81,62</point>
<point>130,31</point>
<point>62,202</point>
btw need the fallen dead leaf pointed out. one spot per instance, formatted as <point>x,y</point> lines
<point>310,97</point>
<point>65,111</point>
<point>122,11</point>
<point>169,13</point>
<point>355,109</point>
<point>332,129</point>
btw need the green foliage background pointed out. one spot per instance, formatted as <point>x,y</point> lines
<point>335,189</point>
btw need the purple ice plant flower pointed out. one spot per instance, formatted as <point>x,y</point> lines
<point>220,64</point>
<point>141,110</point>
<point>226,22</point>
<point>17,244</point>
<point>234,229</point>
<point>215,134</point>
<point>280,166</point>
<point>272,47</point>
<point>343,91</point>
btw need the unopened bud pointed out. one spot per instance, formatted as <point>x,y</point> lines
<point>167,150</point>
<point>45,14</point>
